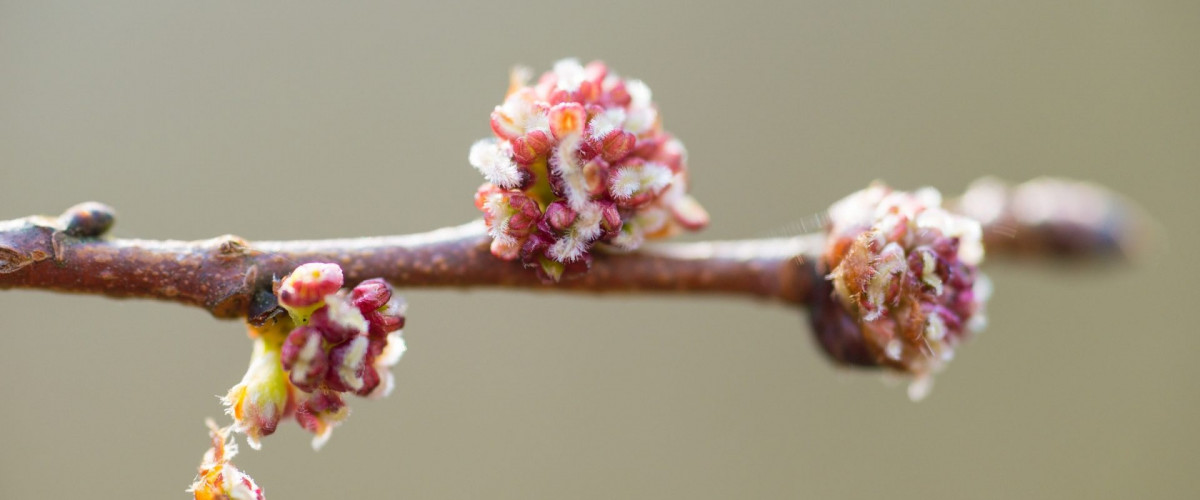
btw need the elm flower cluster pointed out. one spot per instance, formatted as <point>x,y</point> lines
<point>334,342</point>
<point>904,286</point>
<point>218,478</point>
<point>579,159</point>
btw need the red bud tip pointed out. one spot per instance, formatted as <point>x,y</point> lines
<point>308,285</point>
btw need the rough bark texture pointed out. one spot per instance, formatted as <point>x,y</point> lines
<point>231,277</point>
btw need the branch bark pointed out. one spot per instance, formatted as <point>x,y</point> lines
<point>231,277</point>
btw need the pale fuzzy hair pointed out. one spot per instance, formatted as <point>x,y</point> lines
<point>567,167</point>
<point>570,74</point>
<point>576,238</point>
<point>494,160</point>
<point>605,123</point>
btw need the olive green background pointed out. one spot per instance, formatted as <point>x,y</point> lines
<point>275,120</point>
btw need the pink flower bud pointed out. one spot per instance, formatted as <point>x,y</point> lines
<point>595,177</point>
<point>339,320</point>
<point>304,357</point>
<point>618,94</point>
<point>371,294</point>
<point>595,72</point>
<point>308,285</point>
<point>525,214</point>
<point>617,145</point>
<point>505,248</point>
<point>689,213</point>
<point>559,216</point>
<point>566,118</point>
<point>561,96</point>
<point>319,413</point>
<point>610,221</point>
<point>510,218</point>
<point>588,92</point>
<point>370,381</point>
<point>323,402</point>
<point>347,363</point>
<point>672,154</point>
<point>388,318</point>
<point>531,146</point>
<point>393,349</point>
<point>505,126</point>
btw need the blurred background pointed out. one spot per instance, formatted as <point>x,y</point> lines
<point>196,119</point>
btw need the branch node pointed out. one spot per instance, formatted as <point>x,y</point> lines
<point>232,247</point>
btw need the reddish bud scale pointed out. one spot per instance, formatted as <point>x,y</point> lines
<point>570,133</point>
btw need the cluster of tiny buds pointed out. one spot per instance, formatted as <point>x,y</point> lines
<point>903,285</point>
<point>333,342</point>
<point>218,479</point>
<point>579,159</point>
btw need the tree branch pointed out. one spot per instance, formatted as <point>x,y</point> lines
<point>231,277</point>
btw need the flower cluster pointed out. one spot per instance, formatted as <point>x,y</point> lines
<point>218,478</point>
<point>580,158</point>
<point>904,285</point>
<point>333,342</point>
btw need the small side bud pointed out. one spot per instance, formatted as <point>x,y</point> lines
<point>89,219</point>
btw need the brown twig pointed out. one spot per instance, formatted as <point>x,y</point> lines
<point>231,277</point>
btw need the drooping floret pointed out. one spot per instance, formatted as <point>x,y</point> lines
<point>332,342</point>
